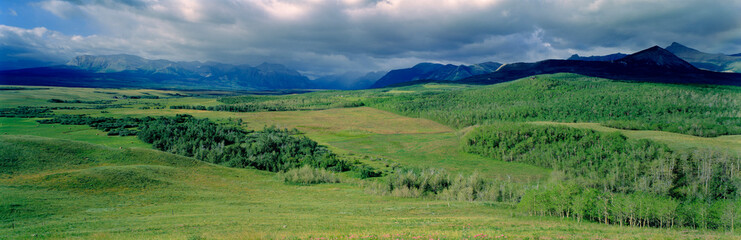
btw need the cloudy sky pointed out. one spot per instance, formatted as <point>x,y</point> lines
<point>319,37</point>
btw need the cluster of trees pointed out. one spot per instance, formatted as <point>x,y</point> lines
<point>438,183</point>
<point>262,103</point>
<point>20,88</point>
<point>55,100</point>
<point>270,149</point>
<point>307,101</point>
<point>633,209</point>
<point>702,111</point>
<point>608,178</point>
<point>25,112</point>
<point>235,108</point>
<point>114,126</point>
<point>610,161</point>
<point>139,97</point>
<point>44,112</point>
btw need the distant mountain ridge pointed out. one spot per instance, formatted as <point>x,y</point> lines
<point>435,71</point>
<point>605,58</point>
<point>654,64</point>
<point>133,71</point>
<point>707,61</point>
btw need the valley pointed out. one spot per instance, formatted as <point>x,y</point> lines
<point>74,181</point>
<point>357,119</point>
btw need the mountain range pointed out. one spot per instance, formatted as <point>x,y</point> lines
<point>654,64</point>
<point>435,71</point>
<point>675,64</point>
<point>133,71</point>
<point>707,61</point>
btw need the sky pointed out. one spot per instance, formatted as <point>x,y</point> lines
<point>320,37</point>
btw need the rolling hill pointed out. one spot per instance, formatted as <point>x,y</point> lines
<point>136,72</point>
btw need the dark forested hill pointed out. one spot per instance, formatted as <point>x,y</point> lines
<point>606,58</point>
<point>434,71</point>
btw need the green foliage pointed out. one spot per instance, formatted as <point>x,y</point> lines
<point>308,175</point>
<point>218,200</point>
<point>611,162</point>
<point>696,110</point>
<point>308,101</point>
<point>143,97</point>
<point>114,126</point>
<point>20,88</point>
<point>608,178</point>
<point>263,103</point>
<point>271,149</point>
<point>25,112</point>
<point>365,171</point>
<point>573,201</point>
<point>55,100</point>
<point>440,184</point>
<point>634,209</point>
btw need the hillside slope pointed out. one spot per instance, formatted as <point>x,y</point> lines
<point>701,111</point>
<point>434,71</point>
<point>605,58</point>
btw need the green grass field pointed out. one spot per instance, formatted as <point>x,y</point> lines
<point>75,182</point>
<point>171,197</point>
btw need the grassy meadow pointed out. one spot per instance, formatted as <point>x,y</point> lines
<point>74,181</point>
<point>155,195</point>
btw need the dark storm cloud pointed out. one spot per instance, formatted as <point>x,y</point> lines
<point>318,36</point>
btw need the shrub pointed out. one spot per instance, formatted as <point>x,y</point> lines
<point>308,175</point>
